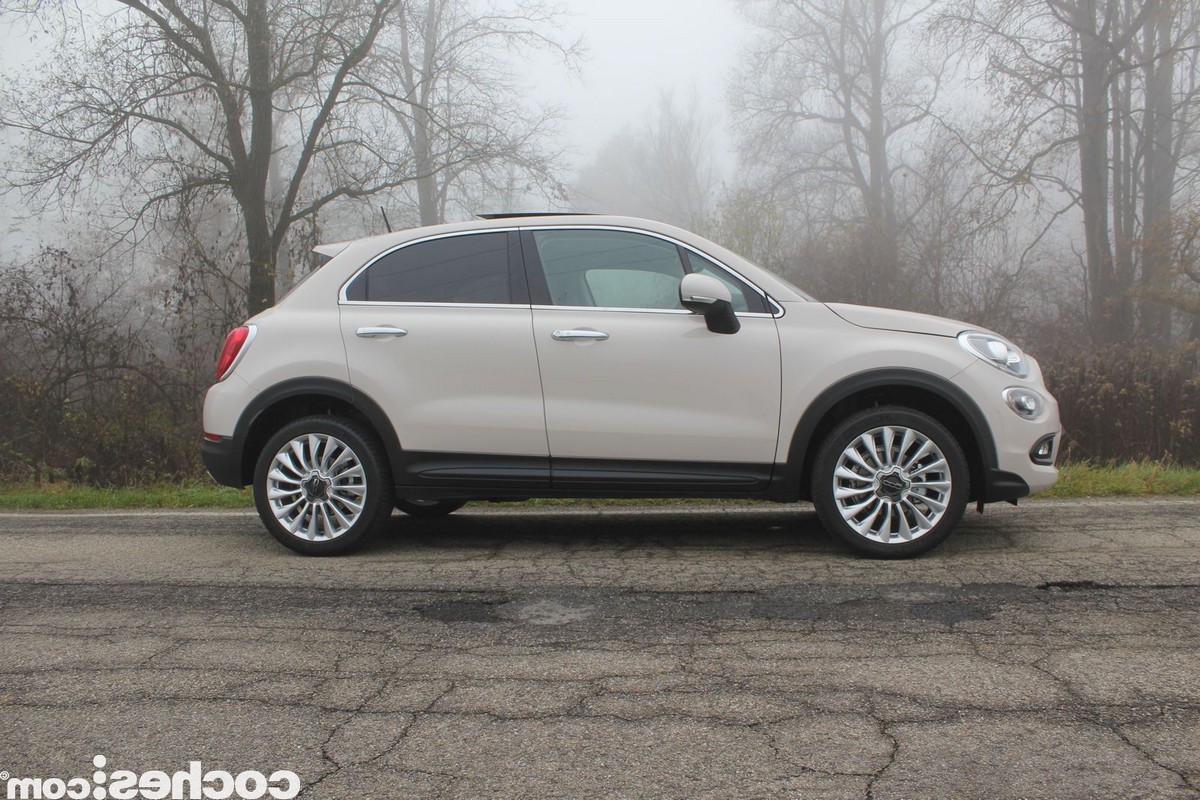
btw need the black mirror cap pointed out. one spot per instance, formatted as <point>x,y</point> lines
<point>721,318</point>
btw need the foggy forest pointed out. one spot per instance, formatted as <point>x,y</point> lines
<point>1030,166</point>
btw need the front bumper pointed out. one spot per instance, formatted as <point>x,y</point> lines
<point>1015,473</point>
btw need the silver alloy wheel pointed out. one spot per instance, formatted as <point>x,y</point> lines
<point>316,487</point>
<point>892,484</point>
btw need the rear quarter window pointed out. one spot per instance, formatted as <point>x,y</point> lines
<point>456,269</point>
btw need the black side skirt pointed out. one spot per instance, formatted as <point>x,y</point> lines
<point>435,475</point>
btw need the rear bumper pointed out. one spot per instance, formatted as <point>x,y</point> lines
<point>223,460</point>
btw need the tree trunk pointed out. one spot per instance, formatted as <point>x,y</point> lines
<point>427,190</point>
<point>1124,197</point>
<point>1093,114</point>
<point>261,288</point>
<point>883,247</point>
<point>1158,175</point>
<point>252,191</point>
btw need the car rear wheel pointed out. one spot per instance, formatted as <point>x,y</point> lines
<point>891,482</point>
<point>322,485</point>
<point>429,508</point>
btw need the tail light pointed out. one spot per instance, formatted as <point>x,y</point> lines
<point>236,345</point>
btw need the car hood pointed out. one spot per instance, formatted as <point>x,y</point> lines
<point>889,319</point>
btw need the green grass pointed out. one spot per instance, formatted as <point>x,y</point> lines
<point>59,496</point>
<point>1138,479</point>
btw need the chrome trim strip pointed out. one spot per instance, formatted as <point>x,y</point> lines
<point>381,304</point>
<point>682,311</point>
<point>779,310</point>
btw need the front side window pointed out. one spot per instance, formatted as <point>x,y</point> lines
<point>609,269</point>
<point>455,269</point>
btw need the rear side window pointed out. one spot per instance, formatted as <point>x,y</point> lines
<point>456,269</point>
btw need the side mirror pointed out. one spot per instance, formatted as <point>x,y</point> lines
<point>705,295</point>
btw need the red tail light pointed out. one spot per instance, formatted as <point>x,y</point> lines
<point>235,343</point>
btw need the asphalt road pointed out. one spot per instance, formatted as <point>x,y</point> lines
<point>699,652</point>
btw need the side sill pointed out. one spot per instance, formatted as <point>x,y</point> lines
<point>460,475</point>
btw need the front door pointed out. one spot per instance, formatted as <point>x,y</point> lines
<point>637,390</point>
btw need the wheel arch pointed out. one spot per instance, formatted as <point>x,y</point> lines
<point>302,397</point>
<point>922,391</point>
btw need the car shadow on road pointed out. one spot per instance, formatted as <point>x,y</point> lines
<point>791,528</point>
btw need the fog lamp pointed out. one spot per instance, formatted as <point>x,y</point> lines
<point>1024,402</point>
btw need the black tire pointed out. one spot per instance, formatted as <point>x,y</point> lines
<point>429,509</point>
<point>896,492</point>
<point>323,505</point>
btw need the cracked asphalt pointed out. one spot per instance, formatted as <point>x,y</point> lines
<point>698,651</point>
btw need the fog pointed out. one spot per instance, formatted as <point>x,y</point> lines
<point>167,172</point>
<point>635,51</point>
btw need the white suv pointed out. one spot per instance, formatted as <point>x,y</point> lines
<point>593,356</point>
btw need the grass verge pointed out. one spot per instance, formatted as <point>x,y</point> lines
<point>60,496</point>
<point>1138,479</point>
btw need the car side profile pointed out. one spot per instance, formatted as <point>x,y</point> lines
<point>516,357</point>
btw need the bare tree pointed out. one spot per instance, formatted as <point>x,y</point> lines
<point>1089,114</point>
<point>446,79</point>
<point>191,96</point>
<point>828,103</point>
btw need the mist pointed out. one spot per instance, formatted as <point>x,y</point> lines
<point>986,160</point>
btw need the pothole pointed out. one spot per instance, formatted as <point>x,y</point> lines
<point>546,611</point>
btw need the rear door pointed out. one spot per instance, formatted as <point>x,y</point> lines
<point>439,333</point>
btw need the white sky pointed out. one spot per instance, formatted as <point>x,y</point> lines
<point>636,49</point>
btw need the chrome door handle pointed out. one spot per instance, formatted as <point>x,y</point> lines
<point>568,336</point>
<point>386,330</point>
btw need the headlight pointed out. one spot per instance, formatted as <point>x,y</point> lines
<point>1000,353</point>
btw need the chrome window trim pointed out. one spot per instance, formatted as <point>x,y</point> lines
<point>346,283</point>
<point>778,312</point>
<point>679,311</point>
<point>625,229</point>
<point>402,304</point>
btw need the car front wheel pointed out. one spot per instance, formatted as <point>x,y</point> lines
<point>891,482</point>
<point>322,485</point>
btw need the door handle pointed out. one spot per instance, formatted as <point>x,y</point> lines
<point>386,330</point>
<point>569,336</point>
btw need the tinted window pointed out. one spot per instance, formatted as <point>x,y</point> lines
<point>457,269</point>
<point>609,269</point>
<point>744,298</point>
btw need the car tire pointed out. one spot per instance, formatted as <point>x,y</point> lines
<point>429,509</point>
<point>890,482</point>
<point>322,485</point>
